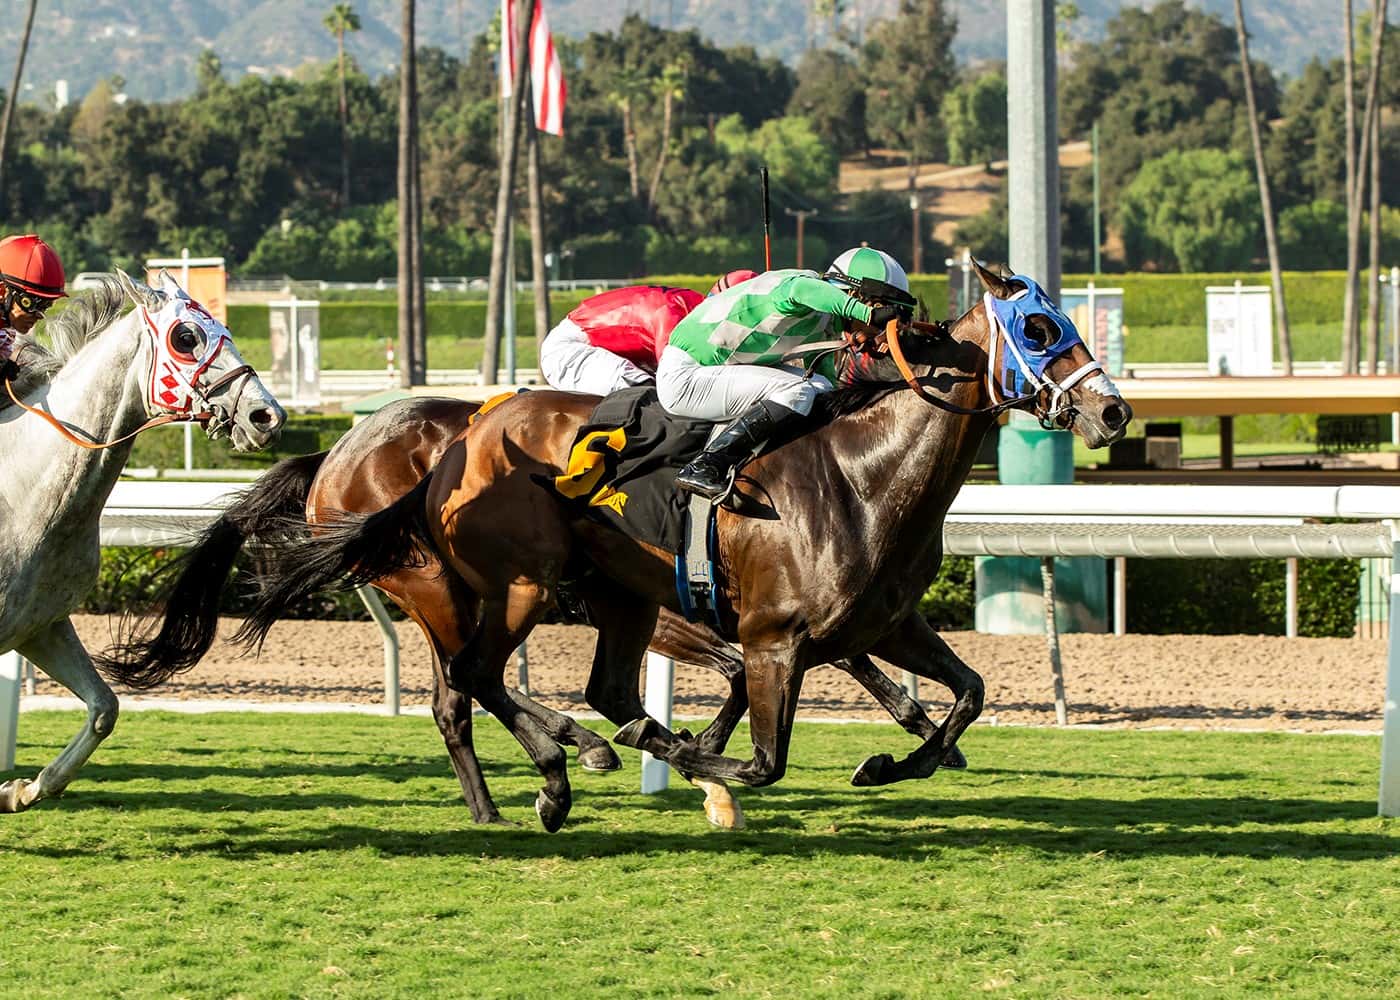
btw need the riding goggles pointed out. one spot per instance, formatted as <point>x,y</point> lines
<point>35,305</point>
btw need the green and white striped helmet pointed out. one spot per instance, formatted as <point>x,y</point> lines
<point>867,262</point>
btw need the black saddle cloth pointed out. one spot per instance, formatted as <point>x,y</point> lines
<point>623,466</point>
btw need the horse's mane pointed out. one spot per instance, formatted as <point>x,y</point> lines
<point>87,315</point>
<point>852,399</point>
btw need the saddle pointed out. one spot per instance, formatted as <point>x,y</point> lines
<point>622,472</point>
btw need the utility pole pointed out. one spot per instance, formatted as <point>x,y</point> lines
<point>1098,237</point>
<point>801,216</point>
<point>915,205</point>
<point>1034,181</point>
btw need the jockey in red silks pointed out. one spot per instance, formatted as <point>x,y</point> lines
<point>613,340</point>
<point>31,278</point>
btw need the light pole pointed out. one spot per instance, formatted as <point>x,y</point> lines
<point>918,261</point>
<point>801,216</point>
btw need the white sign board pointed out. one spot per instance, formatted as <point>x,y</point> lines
<point>1240,330</point>
<point>294,330</point>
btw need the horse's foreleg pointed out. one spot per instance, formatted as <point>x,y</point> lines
<point>594,753</point>
<point>692,642</point>
<point>774,683</point>
<point>59,653</point>
<point>916,647</point>
<point>894,699</point>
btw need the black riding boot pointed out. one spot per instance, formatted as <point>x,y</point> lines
<point>709,473</point>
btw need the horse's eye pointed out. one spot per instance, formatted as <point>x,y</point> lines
<point>184,338</point>
<point>1041,333</point>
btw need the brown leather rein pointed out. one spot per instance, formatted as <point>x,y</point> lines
<point>184,416</point>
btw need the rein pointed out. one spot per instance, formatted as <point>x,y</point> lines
<point>912,380</point>
<point>182,416</point>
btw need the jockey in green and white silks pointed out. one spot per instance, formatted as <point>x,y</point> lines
<point>726,359</point>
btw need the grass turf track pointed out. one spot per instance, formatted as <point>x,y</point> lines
<point>282,855</point>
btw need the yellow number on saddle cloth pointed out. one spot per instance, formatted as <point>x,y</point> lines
<point>588,463</point>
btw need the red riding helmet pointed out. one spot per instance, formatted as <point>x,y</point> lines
<point>29,264</point>
<point>731,279</point>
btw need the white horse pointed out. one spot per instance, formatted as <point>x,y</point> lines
<point>165,360</point>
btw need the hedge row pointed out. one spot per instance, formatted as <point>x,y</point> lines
<point>164,448</point>
<point>1150,300</point>
<point>1194,596</point>
<point>1165,596</point>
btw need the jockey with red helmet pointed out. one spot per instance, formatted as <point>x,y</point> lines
<point>613,340</point>
<point>31,277</point>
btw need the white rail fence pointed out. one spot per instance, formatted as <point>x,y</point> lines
<point>1116,522</point>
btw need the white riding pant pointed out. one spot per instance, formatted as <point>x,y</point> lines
<point>718,392</point>
<point>569,362</point>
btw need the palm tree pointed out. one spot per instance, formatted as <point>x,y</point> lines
<point>1266,203</point>
<point>341,19</point>
<point>13,95</point>
<point>670,88</point>
<point>627,87</point>
<point>1353,200</point>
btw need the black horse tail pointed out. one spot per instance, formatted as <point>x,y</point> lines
<point>149,652</point>
<point>346,553</point>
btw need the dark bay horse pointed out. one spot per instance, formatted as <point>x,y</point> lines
<point>378,461</point>
<point>824,550</point>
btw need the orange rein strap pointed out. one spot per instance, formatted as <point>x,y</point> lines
<point>902,363</point>
<point>52,421</point>
<point>897,352</point>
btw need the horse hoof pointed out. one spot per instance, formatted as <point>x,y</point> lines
<point>552,812</point>
<point>721,807</point>
<point>495,819</point>
<point>635,733</point>
<point>954,759</point>
<point>599,759</point>
<point>874,771</point>
<point>14,796</point>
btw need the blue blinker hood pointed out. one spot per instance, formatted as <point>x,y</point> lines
<point>1033,357</point>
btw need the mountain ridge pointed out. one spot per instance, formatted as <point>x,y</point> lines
<point>83,41</point>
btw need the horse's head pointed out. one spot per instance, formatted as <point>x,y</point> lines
<point>1034,351</point>
<point>196,370</point>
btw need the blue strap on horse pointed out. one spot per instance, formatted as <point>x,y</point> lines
<point>695,562</point>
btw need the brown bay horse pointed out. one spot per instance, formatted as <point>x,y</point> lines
<point>824,550</point>
<point>378,461</point>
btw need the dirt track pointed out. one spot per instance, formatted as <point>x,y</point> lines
<point>1263,682</point>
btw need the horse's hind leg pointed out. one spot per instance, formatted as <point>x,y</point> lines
<point>57,650</point>
<point>916,647</point>
<point>476,671</point>
<point>894,699</point>
<point>452,711</point>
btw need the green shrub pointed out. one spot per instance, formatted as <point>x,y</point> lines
<point>951,602</point>
<point>1240,596</point>
<point>130,578</point>
<point>164,447</point>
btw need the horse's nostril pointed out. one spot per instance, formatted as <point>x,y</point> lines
<point>262,419</point>
<point>1113,416</point>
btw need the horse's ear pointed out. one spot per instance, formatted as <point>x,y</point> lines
<point>994,283</point>
<point>138,293</point>
<point>170,286</point>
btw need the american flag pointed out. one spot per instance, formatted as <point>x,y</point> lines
<point>546,76</point>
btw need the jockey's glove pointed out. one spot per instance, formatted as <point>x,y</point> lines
<point>880,315</point>
<point>9,371</point>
